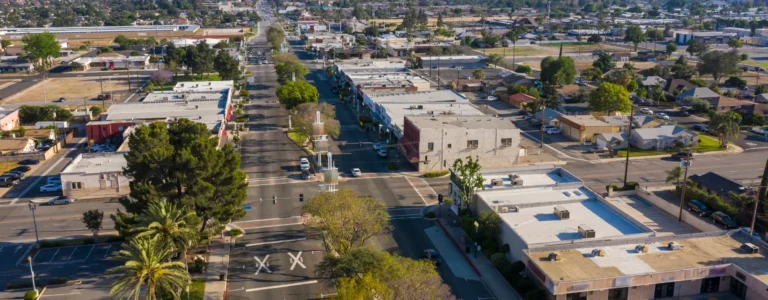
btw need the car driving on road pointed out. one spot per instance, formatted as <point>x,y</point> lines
<point>356,172</point>
<point>50,188</point>
<point>662,116</point>
<point>304,164</point>
<point>61,200</point>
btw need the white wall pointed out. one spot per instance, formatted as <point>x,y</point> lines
<point>489,150</point>
<point>674,210</point>
<point>92,186</point>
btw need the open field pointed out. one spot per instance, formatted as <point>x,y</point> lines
<point>580,64</point>
<point>77,89</point>
<point>433,21</point>
<point>520,51</point>
<point>583,47</point>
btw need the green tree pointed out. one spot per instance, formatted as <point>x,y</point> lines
<point>30,114</point>
<point>92,220</point>
<point>468,178</point>
<point>275,36</point>
<point>594,39</point>
<point>726,125</point>
<point>671,48</point>
<point>736,81</point>
<point>147,267</point>
<point>490,40</point>
<point>5,43</point>
<point>674,175</point>
<point>168,222</point>
<point>697,47</point>
<point>634,35</point>
<point>604,61</point>
<point>346,219</point>
<point>558,71</point>
<point>358,261</point>
<point>105,49</point>
<point>41,48</point>
<point>227,67</point>
<point>609,98</point>
<point>734,43</point>
<point>478,74</point>
<point>696,103</point>
<point>494,59</point>
<point>592,73</point>
<point>524,69</point>
<point>719,64</point>
<point>761,89</point>
<point>294,93</point>
<point>304,118</point>
<point>95,110</point>
<point>289,70</point>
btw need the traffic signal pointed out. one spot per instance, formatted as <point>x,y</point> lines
<point>440,198</point>
<point>301,197</point>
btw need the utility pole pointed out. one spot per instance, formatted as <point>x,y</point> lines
<point>686,163</point>
<point>438,72</point>
<point>629,138</point>
<point>33,207</point>
<point>32,272</point>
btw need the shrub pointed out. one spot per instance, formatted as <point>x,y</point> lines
<point>245,94</point>
<point>30,295</point>
<point>196,266</point>
<point>490,246</point>
<point>430,215</point>
<point>508,271</point>
<point>518,266</point>
<point>393,166</point>
<point>523,285</point>
<point>89,241</point>
<point>498,260</point>
<point>57,280</point>
<point>629,186</point>
<point>115,238</point>
<point>434,174</point>
<point>615,187</point>
<point>235,232</point>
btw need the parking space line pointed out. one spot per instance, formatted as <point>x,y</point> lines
<point>277,242</point>
<point>89,253</point>
<point>107,253</point>
<point>54,254</point>
<point>281,286</point>
<point>73,253</point>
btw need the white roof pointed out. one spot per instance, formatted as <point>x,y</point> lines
<point>455,57</point>
<point>88,60</point>
<point>429,96</point>
<point>482,122</point>
<point>96,163</point>
<point>204,86</point>
<point>211,111</point>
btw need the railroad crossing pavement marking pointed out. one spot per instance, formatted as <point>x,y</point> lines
<point>297,260</point>
<point>282,286</point>
<point>276,242</point>
<point>262,263</point>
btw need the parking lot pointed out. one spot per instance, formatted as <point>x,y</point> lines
<point>78,89</point>
<point>446,75</point>
<point>72,254</point>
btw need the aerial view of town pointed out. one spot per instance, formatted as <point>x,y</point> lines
<point>364,150</point>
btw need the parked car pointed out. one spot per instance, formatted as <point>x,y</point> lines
<point>304,164</point>
<point>62,99</point>
<point>662,116</point>
<point>29,162</point>
<point>356,172</point>
<point>700,127</point>
<point>50,188</point>
<point>61,200</point>
<point>377,147</point>
<point>383,153</point>
<point>522,112</point>
<point>22,168</point>
<point>305,174</point>
<point>699,208</point>
<point>466,77</point>
<point>433,255</point>
<point>53,179</point>
<point>6,181</point>
<point>492,98</point>
<point>597,150</point>
<point>646,111</point>
<point>15,174</point>
<point>682,155</point>
<point>553,131</point>
<point>725,220</point>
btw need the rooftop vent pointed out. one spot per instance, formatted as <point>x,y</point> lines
<point>750,248</point>
<point>554,256</point>
<point>641,249</point>
<point>598,253</point>
<point>497,182</point>
<point>674,246</point>
<point>586,231</point>
<point>562,213</point>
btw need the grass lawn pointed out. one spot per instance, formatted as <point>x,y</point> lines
<point>197,289</point>
<point>297,137</point>
<point>707,144</point>
<point>635,152</point>
<point>520,51</point>
<point>180,78</point>
<point>757,63</point>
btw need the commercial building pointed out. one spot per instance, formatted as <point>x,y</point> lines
<point>456,61</point>
<point>434,142</point>
<point>14,64</point>
<point>682,37</point>
<point>95,175</point>
<point>96,29</point>
<point>130,62</point>
<point>584,128</point>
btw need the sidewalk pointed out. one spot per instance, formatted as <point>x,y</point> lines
<point>491,277</point>
<point>218,263</point>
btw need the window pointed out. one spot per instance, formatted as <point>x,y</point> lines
<point>506,142</point>
<point>449,146</point>
<point>76,185</point>
<point>430,146</point>
<point>121,128</point>
<point>472,144</point>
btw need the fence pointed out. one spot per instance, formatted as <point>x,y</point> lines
<point>39,155</point>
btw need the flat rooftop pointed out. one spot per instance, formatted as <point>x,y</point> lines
<point>99,29</point>
<point>96,163</point>
<point>204,86</point>
<point>469,122</point>
<point>453,58</point>
<point>186,96</point>
<point>419,97</point>
<point>623,260</point>
<point>211,112</point>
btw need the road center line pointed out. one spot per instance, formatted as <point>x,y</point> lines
<point>276,242</point>
<point>270,226</point>
<point>55,295</point>
<point>281,286</point>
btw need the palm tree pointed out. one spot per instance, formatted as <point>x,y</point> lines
<point>725,125</point>
<point>147,266</point>
<point>674,175</point>
<point>167,221</point>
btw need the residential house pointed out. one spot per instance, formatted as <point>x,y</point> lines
<point>17,146</point>
<point>526,22</point>
<point>611,140</point>
<point>519,100</point>
<point>468,85</point>
<point>652,81</point>
<point>678,85</point>
<point>96,175</point>
<point>638,121</point>
<point>550,117</point>
<point>568,92</point>
<point>716,184</point>
<point>14,64</point>
<point>698,92</point>
<point>9,119</point>
<point>584,128</point>
<point>40,134</point>
<point>723,104</point>
<point>663,137</point>
<point>762,98</point>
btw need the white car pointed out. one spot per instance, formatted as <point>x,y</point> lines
<point>662,116</point>
<point>304,164</point>
<point>553,130</point>
<point>356,172</point>
<point>492,98</point>
<point>50,188</point>
<point>61,200</point>
<point>646,111</point>
<point>383,152</point>
<point>377,147</point>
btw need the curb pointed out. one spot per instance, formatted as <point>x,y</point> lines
<point>455,243</point>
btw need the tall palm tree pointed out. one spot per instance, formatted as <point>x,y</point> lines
<point>725,125</point>
<point>147,266</point>
<point>674,175</point>
<point>167,221</point>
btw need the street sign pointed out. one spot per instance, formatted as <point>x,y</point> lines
<point>247,207</point>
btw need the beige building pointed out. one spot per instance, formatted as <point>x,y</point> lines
<point>95,175</point>
<point>17,145</point>
<point>584,128</point>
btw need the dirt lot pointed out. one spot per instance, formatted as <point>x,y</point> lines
<point>550,49</point>
<point>4,83</point>
<point>580,64</point>
<point>76,89</point>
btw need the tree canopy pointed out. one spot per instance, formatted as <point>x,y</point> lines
<point>227,67</point>
<point>634,35</point>
<point>558,71</point>
<point>41,48</point>
<point>609,98</point>
<point>30,114</point>
<point>719,64</point>
<point>294,93</point>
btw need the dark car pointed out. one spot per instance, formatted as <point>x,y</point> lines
<point>305,174</point>
<point>6,181</point>
<point>722,218</point>
<point>23,168</point>
<point>522,112</point>
<point>700,127</point>
<point>62,99</point>
<point>699,207</point>
<point>433,255</point>
<point>15,175</point>
<point>682,155</point>
<point>29,162</point>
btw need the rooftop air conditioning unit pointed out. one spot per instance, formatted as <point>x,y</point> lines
<point>641,249</point>
<point>674,246</point>
<point>420,107</point>
<point>750,248</point>
<point>586,231</point>
<point>497,182</point>
<point>562,213</point>
<point>504,209</point>
<point>598,253</point>
<point>554,256</point>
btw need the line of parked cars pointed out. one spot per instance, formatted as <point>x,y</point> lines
<point>101,148</point>
<point>12,177</point>
<point>698,207</point>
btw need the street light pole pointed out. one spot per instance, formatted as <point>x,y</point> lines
<point>686,163</point>
<point>33,207</point>
<point>34,286</point>
<point>629,138</point>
